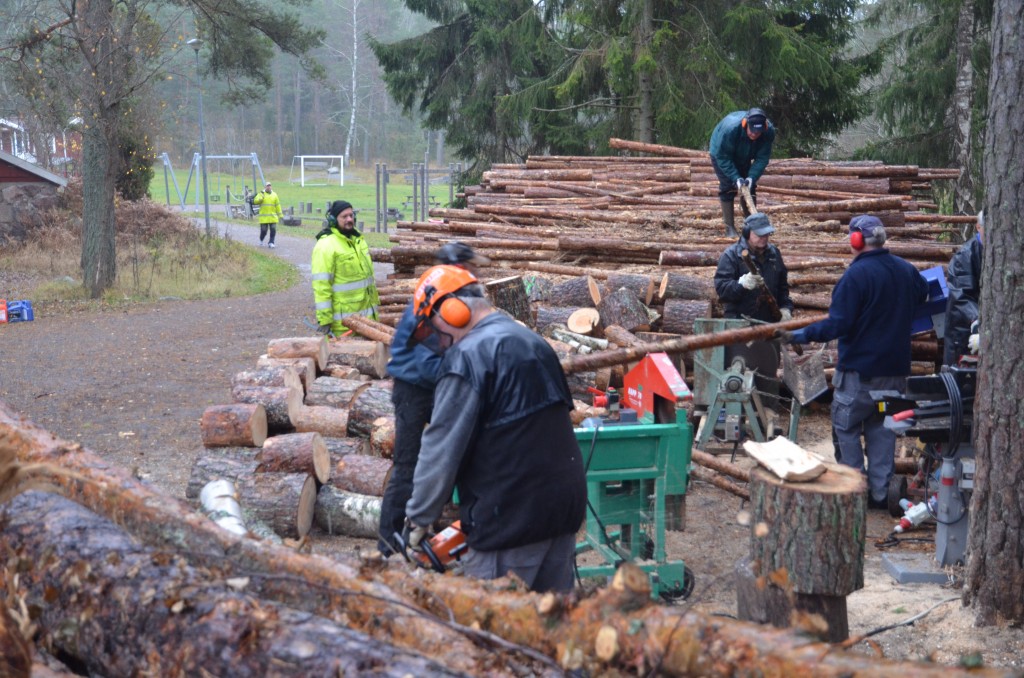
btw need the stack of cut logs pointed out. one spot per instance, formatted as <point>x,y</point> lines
<point>579,230</point>
<point>308,440</point>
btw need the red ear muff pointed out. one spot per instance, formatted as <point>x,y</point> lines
<point>856,240</point>
<point>743,123</point>
<point>455,312</point>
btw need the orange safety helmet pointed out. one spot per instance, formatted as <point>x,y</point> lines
<point>435,294</point>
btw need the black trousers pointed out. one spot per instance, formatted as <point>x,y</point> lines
<point>413,406</point>
<point>263,231</point>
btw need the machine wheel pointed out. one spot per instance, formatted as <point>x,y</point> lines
<point>897,491</point>
<point>679,593</point>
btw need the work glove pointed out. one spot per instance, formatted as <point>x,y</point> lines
<point>975,326</point>
<point>739,184</point>
<point>786,314</point>
<point>413,534</point>
<point>794,337</point>
<point>973,343</point>
<point>749,182</point>
<point>324,329</point>
<point>750,281</point>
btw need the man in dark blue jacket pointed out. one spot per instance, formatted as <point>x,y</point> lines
<point>500,433</point>
<point>741,146</point>
<point>414,370</point>
<point>871,313</point>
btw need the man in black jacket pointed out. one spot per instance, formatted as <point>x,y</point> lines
<point>742,293</point>
<point>501,434</point>
<point>964,282</point>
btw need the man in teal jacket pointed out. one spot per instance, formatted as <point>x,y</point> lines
<point>342,272</point>
<point>741,146</point>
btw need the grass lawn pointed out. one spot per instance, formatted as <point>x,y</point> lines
<point>359,189</point>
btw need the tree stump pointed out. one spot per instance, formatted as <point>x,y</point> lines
<point>509,294</point>
<point>622,308</point>
<point>369,357</point>
<point>241,424</point>
<point>810,537</point>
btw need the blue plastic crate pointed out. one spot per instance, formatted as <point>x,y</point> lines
<point>19,311</point>
<point>938,293</point>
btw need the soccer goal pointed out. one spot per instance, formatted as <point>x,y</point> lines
<point>317,170</point>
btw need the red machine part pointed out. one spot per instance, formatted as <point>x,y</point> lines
<point>654,378</point>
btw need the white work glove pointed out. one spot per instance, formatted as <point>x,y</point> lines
<point>749,182</point>
<point>414,534</point>
<point>750,281</point>
<point>973,342</point>
<point>786,314</point>
<point>739,184</point>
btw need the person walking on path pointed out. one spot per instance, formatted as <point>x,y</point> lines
<point>871,313</point>
<point>413,367</point>
<point>741,146</point>
<point>500,433</point>
<point>270,213</point>
<point>342,272</point>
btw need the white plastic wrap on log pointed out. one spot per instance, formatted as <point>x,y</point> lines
<point>220,503</point>
<point>340,512</point>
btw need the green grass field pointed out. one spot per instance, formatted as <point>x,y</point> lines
<point>359,189</point>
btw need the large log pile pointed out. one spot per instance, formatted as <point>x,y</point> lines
<point>133,582</point>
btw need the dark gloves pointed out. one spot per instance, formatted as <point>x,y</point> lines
<point>324,329</point>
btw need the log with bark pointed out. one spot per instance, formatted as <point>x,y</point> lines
<point>240,424</point>
<point>573,293</point>
<point>509,294</point>
<point>371,329</point>
<point>683,286</point>
<point>283,501</point>
<point>334,392</point>
<point>228,463</point>
<point>583,321</point>
<point>278,376</point>
<point>327,421</point>
<point>621,307</point>
<point>553,315</point>
<point>338,448</point>
<point>361,474</point>
<point>721,482</point>
<point>144,612</point>
<point>382,437</point>
<point>369,404</point>
<point>306,367</point>
<point>369,357</point>
<point>280,404</point>
<point>296,453</point>
<point>300,347</point>
<point>347,513</point>
<point>678,315</point>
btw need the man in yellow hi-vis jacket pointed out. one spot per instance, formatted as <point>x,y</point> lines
<point>342,272</point>
<point>270,212</point>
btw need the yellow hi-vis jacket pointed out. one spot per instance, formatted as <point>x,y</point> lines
<point>343,279</point>
<point>270,206</point>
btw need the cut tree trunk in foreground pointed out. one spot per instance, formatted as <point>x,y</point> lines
<point>371,403</point>
<point>241,424</point>
<point>141,612</point>
<point>347,513</point>
<point>279,376</point>
<point>369,357</point>
<point>324,587</point>
<point>306,367</point>
<point>300,347</point>
<point>382,437</point>
<point>509,294</point>
<point>296,453</point>
<point>361,474</point>
<point>284,501</point>
<point>281,404</point>
<point>327,421</point>
<point>675,642</point>
<point>334,392</point>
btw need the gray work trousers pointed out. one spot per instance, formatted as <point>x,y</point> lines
<point>854,413</point>
<point>544,565</point>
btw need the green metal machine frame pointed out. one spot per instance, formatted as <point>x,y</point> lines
<point>633,471</point>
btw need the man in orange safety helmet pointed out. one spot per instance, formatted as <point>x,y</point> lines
<point>501,434</point>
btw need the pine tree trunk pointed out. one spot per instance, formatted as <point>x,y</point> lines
<point>995,569</point>
<point>960,114</point>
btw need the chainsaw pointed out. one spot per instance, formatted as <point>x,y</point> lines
<point>438,552</point>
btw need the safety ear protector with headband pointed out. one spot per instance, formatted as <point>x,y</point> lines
<point>331,220</point>
<point>454,311</point>
<point>856,238</point>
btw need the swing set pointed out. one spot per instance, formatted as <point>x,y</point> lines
<point>237,167</point>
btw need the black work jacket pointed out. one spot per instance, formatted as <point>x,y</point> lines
<point>522,479</point>
<point>739,301</point>
<point>964,281</point>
